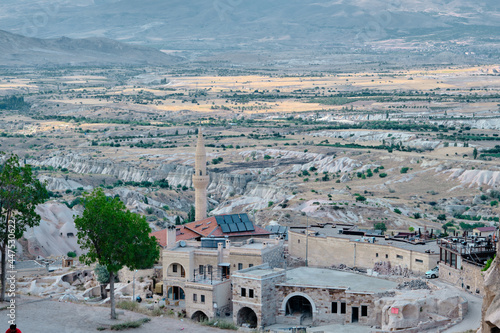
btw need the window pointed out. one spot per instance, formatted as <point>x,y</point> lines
<point>202,298</point>
<point>195,297</point>
<point>243,292</point>
<point>399,256</point>
<point>298,241</point>
<point>250,293</point>
<point>419,260</point>
<point>335,307</point>
<point>386,256</point>
<point>201,269</point>
<point>240,266</point>
<point>364,310</point>
<point>342,307</point>
<point>250,265</point>
<point>209,269</point>
<point>376,255</point>
<point>174,268</point>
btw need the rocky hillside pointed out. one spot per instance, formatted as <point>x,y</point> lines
<point>17,50</point>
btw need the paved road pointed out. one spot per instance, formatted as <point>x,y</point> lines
<point>473,318</point>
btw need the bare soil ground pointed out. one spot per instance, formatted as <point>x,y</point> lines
<point>35,315</point>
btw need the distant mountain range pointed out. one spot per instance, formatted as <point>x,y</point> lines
<point>197,28</point>
<point>16,50</point>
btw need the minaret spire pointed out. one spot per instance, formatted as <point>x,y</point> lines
<point>200,178</point>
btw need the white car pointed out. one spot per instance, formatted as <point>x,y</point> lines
<point>433,273</point>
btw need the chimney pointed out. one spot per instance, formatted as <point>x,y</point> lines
<point>228,244</point>
<point>220,254</point>
<point>171,236</point>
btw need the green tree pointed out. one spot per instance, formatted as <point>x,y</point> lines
<point>20,193</point>
<point>474,153</point>
<point>360,198</point>
<point>441,217</point>
<point>191,214</point>
<point>178,220</point>
<point>114,237</point>
<point>380,226</point>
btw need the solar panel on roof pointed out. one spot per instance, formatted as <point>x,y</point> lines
<point>220,220</point>
<point>233,227</point>
<point>244,218</point>
<point>241,226</point>
<point>225,228</point>
<point>236,218</point>
<point>228,219</point>
<point>249,226</point>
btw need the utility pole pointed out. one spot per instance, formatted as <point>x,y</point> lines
<point>307,237</point>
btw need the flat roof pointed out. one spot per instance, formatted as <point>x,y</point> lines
<point>334,233</point>
<point>323,277</point>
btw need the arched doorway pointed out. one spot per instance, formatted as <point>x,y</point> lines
<point>199,316</point>
<point>175,293</point>
<point>300,306</point>
<point>247,316</point>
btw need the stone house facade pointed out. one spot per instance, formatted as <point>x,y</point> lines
<point>326,249</point>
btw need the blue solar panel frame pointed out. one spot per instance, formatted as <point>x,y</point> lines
<point>244,218</point>
<point>241,226</point>
<point>225,228</point>
<point>235,218</point>
<point>249,226</point>
<point>233,227</point>
<point>228,219</point>
<point>220,220</point>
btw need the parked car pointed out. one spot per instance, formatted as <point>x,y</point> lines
<point>433,273</point>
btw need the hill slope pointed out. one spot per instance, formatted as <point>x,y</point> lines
<point>17,50</point>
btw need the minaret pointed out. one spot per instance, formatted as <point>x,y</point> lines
<point>200,178</point>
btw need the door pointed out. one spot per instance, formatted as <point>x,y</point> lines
<point>355,314</point>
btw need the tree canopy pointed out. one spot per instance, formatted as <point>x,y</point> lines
<point>20,194</point>
<point>114,237</point>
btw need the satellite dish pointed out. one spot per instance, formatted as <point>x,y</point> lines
<point>182,243</point>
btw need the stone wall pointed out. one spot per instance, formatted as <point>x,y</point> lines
<point>469,277</point>
<point>329,251</point>
<point>263,300</point>
<point>321,300</point>
<point>206,296</point>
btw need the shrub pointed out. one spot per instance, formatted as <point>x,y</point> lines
<point>382,175</point>
<point>267,157</point>
<point>417,215</point>
<point>360,198</point>
<point>441,217</point>
<point>225,325</point>
<point>129,324</point>
<point>404,170</point>
<point>270,203</point>
<point>380,226</point>
<point>71,254</point>
<point>397,211</point>
<point>494,203</point>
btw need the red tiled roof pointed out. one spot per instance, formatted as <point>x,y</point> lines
<point>182,233</point>
<point>208,227</point>
<point>161,237</point>
<point>486,229</point>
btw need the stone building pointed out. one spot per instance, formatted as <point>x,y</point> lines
<point>197,274</point>
<point>462,260</point>
<point>305,296</point>
<point>327,245</point>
